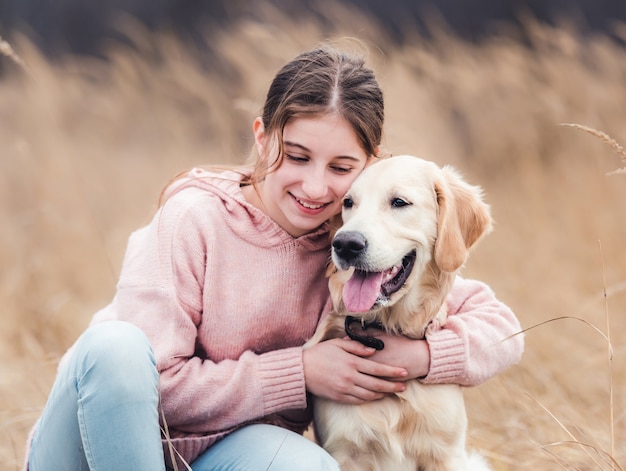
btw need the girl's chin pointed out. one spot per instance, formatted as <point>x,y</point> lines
<point>304,227</point>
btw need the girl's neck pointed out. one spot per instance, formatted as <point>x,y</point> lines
<point>252,196</point>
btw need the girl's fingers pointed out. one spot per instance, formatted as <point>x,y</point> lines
<point>378,385</point>
<point>381,370</point>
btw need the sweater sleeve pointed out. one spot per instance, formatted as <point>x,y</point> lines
<point>161,291</point>
<point>477,342</point>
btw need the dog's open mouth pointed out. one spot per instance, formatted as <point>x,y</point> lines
<point>364,289</point>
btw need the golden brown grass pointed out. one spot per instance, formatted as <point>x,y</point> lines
<point>86,147</point>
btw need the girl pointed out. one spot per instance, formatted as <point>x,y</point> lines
<point>220,291</point>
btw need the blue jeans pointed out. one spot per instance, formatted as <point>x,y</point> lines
<point>103,415</point>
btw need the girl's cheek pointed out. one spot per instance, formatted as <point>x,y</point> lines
<point>346,186</point>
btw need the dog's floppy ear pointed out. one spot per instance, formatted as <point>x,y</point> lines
<point>463,219</point>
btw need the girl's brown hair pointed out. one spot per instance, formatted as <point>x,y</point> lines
<point>318,82</point>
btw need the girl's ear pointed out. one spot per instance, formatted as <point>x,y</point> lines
<point>379,154</point>
<point>259,135</point>
<point>372,159</point>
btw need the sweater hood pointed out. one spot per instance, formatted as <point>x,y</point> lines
<point>246,219</point>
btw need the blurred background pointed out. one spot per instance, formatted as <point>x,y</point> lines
<point>102,103</point>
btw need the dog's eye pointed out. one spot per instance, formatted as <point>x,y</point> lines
<point>347,202</point>
<point>399,203</point>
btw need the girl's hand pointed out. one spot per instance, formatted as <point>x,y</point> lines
<point>340,370</point>
<point>400,351</point>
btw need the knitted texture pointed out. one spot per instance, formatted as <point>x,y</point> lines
<point>227,299</point>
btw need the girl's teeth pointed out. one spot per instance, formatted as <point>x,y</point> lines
<point>310,206</point>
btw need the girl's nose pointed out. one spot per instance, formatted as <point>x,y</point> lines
<point>314,186</point>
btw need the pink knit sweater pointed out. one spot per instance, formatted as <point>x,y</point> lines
<point>228,298</point>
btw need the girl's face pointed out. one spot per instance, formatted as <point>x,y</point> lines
<point>322,158</point>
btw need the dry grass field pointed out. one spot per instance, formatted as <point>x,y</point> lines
<point>86,146</point>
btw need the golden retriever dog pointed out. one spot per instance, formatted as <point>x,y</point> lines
<point>408,225</point>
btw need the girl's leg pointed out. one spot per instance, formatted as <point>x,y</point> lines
<point>102,412</point>
<point>262,447</point>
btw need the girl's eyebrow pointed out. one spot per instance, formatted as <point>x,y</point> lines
<point>295,144</point>
<point>306,149</point>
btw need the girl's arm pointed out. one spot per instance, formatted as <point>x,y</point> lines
<point>161,291</point>
<point>477,342</point>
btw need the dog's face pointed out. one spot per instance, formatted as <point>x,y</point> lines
<point>400,215</point>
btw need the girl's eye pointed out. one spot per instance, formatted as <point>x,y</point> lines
<point>296,159</point>
<point>347,202</point>
<point>399,203</point>
<point>341,169</point>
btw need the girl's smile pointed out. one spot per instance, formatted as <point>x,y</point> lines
<point>312,208</point>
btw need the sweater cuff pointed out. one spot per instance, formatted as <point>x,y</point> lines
<point>447,357</point>
<point>282,380</point>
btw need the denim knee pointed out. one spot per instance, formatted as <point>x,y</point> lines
<point>118,353</point>
<point>267,447</point>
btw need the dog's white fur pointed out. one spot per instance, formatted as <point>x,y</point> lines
<point>399,205</point>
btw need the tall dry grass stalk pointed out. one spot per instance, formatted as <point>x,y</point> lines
<point>86,147</point>
<point>610,362</point>
<point>604,137</point>
<point>619,149</point>
<point>7,50</point>
<point>595,452</point>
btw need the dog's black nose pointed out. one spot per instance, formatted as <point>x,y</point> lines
<point>349,245</point>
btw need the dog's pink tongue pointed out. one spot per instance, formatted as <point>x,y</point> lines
<point>361,291</point>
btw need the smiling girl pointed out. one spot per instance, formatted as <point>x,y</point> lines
<point>321,158</point>
<point>200,352</point>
